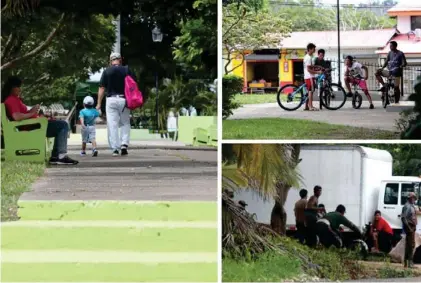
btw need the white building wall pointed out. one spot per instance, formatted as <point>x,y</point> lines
<point>404,24</point>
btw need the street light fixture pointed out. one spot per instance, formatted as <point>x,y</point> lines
<point>157,36</point>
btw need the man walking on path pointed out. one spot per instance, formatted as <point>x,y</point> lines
<point>118,115</point>
<point>409,221</point>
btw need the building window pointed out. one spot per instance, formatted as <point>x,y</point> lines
<point>391,194</point>
<point>415,22</point>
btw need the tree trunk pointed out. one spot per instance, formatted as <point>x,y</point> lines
<point>278,216</point>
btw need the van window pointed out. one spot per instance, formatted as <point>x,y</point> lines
<point>406,189</point>
<point>391,194</point>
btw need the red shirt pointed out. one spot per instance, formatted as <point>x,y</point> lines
<point>382,225</point>
<point>14,105</point>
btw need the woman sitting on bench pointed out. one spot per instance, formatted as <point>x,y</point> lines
<point>18,111</point>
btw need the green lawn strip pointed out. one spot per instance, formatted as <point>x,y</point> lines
<point>130,239</point>
<point>276,128</point>
<point>269,267</point>
<point>109,272</point>
<point>118,210</point>
<point>16,178</point>
<point>255,98</point>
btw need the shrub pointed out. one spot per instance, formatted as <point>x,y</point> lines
<point>231,85</point>
<point>413,131</point>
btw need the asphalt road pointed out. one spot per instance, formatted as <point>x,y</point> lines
<point>376,118</point>
<point>145,174</point>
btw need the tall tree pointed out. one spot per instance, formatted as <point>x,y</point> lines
<point>196,47</point>
<point>245,29</point>
<point>267,169</point>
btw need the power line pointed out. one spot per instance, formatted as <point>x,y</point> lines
<point>333,5</point>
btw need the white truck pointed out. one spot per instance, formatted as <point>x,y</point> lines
<point>358,177</point>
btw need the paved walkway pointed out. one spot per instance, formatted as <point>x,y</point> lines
<point>147,217</point>
<point>376,118</point>
<point>148,174</point>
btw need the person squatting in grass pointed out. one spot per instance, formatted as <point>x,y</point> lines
<point>327,228</point>
<point>354,75</point>
<point>87,118</point>
<point>381,234</point>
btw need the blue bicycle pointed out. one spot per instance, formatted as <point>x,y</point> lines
<point>332,96</point>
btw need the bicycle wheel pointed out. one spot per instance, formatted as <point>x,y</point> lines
<point>290,97</point>
<point>357,100</point>
<point>334,96</point>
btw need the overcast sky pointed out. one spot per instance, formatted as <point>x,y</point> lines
<point>355,1</point>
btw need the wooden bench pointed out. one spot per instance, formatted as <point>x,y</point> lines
<point>23,145</point>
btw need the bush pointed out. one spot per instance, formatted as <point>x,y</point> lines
<point>231,85</point>
<point>413,131</point>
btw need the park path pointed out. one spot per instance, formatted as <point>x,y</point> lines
<point>150,216</point>
<point>376,118</point>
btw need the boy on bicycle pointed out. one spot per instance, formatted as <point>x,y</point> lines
<point>354,76</point>
<point>310,70</point>
<point>395,62</point>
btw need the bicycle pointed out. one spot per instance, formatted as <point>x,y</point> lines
<point>357,98</point>
<point>388,92</point>
<point>298,95</point>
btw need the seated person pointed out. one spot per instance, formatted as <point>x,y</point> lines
<point>354,75</point>
<point>328,227</point>
<point>17,111</point>
<point>262,81</point>
<point>381,233</point>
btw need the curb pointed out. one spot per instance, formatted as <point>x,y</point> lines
<point>163,147</point>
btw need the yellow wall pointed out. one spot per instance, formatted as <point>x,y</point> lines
<point>288,56</point>
<point>238,71</point>
<point>250,71</point>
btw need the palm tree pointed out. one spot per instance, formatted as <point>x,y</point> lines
<point>267,169</point>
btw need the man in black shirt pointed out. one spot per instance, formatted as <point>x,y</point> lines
<point>118,115</point>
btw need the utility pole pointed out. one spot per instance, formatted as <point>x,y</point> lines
<point>339,42</point>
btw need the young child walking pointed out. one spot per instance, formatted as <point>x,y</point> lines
<point>87,118</point>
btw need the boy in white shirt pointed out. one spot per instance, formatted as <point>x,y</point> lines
<point>310,71</point>
<point>354,75</point>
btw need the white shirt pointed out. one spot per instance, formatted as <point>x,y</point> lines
<point>355,69</point>
<point>308,61</point>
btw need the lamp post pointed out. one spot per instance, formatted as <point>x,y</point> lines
<point>157,36</point>
<point>339,42</point>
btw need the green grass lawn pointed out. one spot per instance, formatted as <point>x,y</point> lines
<point>16,178</point>
<point>109,272</point>
<point>269,267</point>
<point>255,98</point>
<point>276,128</point>
<point>99,241</point>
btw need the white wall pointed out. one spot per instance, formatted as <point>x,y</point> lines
<point>404,24</point>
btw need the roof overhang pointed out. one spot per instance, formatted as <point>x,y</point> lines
<point>262,57</point>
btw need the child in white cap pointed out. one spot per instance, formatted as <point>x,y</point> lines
<point>87,118</point>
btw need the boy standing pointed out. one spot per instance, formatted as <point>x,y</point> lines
<point>310,70</point>
<point>87,118</point>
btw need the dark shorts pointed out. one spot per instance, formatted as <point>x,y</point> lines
<point>327,237</point>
